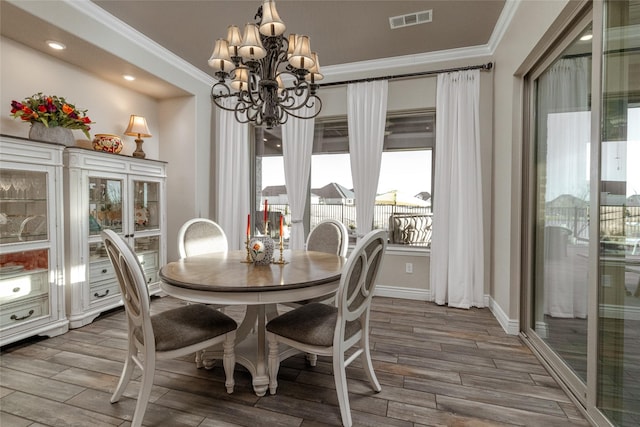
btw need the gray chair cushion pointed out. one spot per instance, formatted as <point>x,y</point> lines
<point>313,324</point>
<point>184,326</point>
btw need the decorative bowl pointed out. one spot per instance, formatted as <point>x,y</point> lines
<point>107,142</point>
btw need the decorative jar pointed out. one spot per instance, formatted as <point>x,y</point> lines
<point>107,142</point>
<point>261,250</point>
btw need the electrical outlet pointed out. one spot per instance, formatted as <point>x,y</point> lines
<point>408,267</point>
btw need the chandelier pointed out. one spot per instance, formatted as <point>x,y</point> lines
<point>253,69</point>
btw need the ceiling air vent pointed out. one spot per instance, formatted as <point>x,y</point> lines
<point>410,19</point>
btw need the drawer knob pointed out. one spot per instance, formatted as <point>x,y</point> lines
<point>104,271</point>
<point>97,295</point>
<point>14,317</point>
<point>16,289</point>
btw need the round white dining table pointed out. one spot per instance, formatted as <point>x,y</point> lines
<point>225,278</point>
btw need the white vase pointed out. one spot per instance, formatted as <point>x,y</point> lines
<point>261,250</point>
<point>60,135</point>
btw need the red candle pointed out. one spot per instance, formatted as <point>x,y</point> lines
<point>265,212</point>
<point>280,225</point>
<point>248,226</point>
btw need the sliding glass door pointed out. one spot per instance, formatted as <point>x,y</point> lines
<point>618,395</point>
<point>561,133</point>
<point>582,240</point>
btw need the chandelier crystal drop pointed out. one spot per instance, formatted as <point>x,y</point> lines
<point>270,76</point>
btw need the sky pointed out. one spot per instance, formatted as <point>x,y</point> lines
<point>409,172</point>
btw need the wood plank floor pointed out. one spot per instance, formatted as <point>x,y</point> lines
<point>438,366</point>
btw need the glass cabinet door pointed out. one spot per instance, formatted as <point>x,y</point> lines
<point>147,205</point>
<point>105,205</point>
<point>23,206</point>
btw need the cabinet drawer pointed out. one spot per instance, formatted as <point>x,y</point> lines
<point>21,311</point>
<point>104,289</point>
<point>102,270</point>
<point>148,260</point>
<point>151,276</point>
<point>23,286</point>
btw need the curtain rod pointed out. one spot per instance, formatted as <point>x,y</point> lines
<point>483,67</point>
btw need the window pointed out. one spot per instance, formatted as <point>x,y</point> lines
<point>403,204</point>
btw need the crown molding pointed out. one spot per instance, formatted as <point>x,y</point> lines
<point>90,9</point>
<point>504,20</point>
<point>400,63</point>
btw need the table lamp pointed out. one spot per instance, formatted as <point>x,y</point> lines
<point>138,128</point>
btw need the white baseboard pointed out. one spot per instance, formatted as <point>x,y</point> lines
<point>404,293</point>
<point>510,326</point>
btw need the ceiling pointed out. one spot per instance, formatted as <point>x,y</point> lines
<point>341,32</point>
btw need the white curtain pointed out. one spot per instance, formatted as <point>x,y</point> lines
<point>366,116</point>
<point>563,140</point>
<point>232,175</point>
<point>297,145</point>
<point>563,104</point>
<point>457,262</point>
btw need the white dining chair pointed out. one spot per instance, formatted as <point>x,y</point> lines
<point>166,335</point>
<point>330,236</point>
<point>327,330</point>
<point>199,236</point>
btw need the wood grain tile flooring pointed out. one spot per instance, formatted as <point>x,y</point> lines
<point>438,366</point>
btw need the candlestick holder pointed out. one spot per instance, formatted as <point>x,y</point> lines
<point>248,259</point>
<point>281,261</point>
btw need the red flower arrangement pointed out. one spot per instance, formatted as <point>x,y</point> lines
<point>51,111</point>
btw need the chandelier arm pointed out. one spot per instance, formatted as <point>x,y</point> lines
<point>313,98</point>
<point>294,103</point>
<point>240,119</point>
<point>225,93</point>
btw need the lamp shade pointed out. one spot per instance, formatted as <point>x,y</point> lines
<point>271,24</point>
<point>220,60</point>
<point>251,48</point>
<point>301,57</point>
<point>137,127</point>
<point>291,44</point>
<point>241,79</point>
<point>234,38</point>
<point>314,72</point>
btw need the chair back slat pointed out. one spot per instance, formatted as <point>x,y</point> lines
<point>135,294</point>
<point>359,275</point>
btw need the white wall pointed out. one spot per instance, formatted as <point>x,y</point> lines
<point>527,31</point>
<point>178,131</point>
<point>26,71</point>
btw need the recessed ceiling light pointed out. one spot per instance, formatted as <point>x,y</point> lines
<point>56,45</point>
<point>586,37</point>
<point>128,77</point>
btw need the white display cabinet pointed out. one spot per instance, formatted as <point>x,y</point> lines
<point>109,191</point>
<point>31,240</point>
